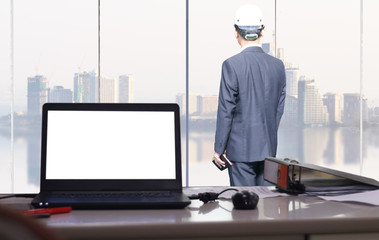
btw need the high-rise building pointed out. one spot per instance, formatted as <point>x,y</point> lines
<point>108,90</point>
<point>332,101</point>
<point>374,114</point>
<point>38,94</point>
<point>268,48</point>
<point>60,95</point>
<point>365,110</point>
<point>292,81</point>
<point>86,87</point>
<point>194,103</point>
<point>208,105</point>
<point>351,115</point>
<point>289,117</point>
<point>311,110</point>
<point>280,54</point>
<point>126,88</point>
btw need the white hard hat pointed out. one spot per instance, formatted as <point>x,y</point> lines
<point>248,15</point>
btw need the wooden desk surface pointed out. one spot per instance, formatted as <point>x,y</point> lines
<point>289,217</point>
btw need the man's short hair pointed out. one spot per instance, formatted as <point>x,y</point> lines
<point>250,33</point>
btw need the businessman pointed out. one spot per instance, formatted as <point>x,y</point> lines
<point>251,103</point>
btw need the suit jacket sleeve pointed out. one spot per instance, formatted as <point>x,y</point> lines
<point>226,106</point>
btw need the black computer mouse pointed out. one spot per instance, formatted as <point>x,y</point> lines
<point>245,200</point>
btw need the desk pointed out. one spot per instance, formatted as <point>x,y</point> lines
<point>290,217</point>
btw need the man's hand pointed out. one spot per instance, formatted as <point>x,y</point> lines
<point>218,161</point>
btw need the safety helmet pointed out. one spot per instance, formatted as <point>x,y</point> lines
<point>249,22</point>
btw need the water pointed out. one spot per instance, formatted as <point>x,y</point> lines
<point>336,148</point>
<point>21,175</point>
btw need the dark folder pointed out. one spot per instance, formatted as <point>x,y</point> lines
<point>294,177</point>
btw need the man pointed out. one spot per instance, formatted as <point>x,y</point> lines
<point>251,103</point>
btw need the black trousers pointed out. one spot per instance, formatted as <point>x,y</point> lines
<point>247,174</point>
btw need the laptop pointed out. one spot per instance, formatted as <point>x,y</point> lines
<point>111,156</point>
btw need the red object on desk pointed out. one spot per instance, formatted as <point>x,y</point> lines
<point>47,210</point>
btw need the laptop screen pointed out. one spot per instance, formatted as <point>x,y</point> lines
<point>110,145</point>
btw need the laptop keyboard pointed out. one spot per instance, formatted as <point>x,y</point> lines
<point>114,195</point>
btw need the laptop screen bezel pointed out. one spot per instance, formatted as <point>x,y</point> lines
<point>117,184</point>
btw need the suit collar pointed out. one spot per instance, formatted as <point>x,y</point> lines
<point>252,49</point>
<point>250,44</point>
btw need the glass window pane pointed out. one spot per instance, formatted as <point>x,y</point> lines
<point>5,97</point>
<point>320,44</point>
<point>143,53</point>
<point>53,41</point>
<point>370,46</point>
<point>211,41</point>
<point>144,40</point>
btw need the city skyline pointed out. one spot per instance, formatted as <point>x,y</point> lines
<point>305,105</point>
<point>71,43</point>
<point>85,90</point>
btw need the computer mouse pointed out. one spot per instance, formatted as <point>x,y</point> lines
<point>245,200</point>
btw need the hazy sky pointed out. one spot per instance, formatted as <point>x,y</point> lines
<point>146,38</point>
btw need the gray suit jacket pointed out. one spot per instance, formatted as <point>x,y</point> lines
<point>251,104</point>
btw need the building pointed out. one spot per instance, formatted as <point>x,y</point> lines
<point>108,90</point>
<point>292,81</point>
<point>332,101</point>
<point>351,115</point>
<point>86,87</point>
<point>268,48</point>
<point>38,94</point>
<point>374,114</point>
<point>290,113</point>
<point>280,54</point>
<point>194,103</point>
<point>311,110</point>
<point>126,88</point>
<point>60,95</point>
<point>208,105</point>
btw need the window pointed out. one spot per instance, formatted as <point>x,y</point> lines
<point>326,69</point>
<point>143,52</point>
<point>50,53</point>
<point>211,41</point>
<point>370,54</point>
<point>52,42</point>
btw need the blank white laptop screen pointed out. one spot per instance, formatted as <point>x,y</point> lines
<point>110,145</point>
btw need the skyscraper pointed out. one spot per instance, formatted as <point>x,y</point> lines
<point>194,103</point>
<point>292,80</point>
<point>290,111</point>
<point>268,48</point>
<point>208,105</point>
<point>280,54</point>
<point>352,107</point>
<point>85,87</point>
<point>333,103</point>
<point>108,90</point>
<point>126,88</point>
<point>38,94</point>
<point>311,110</point>
<point>60,95</point>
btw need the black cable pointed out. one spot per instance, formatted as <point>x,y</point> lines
<point>228,189</point>
<point>210,196</point>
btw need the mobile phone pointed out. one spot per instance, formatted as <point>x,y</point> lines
<point>227,162</point>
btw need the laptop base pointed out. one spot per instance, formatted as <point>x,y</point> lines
<point>119,201</point>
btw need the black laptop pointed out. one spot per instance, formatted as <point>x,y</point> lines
<point>111,156</point>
